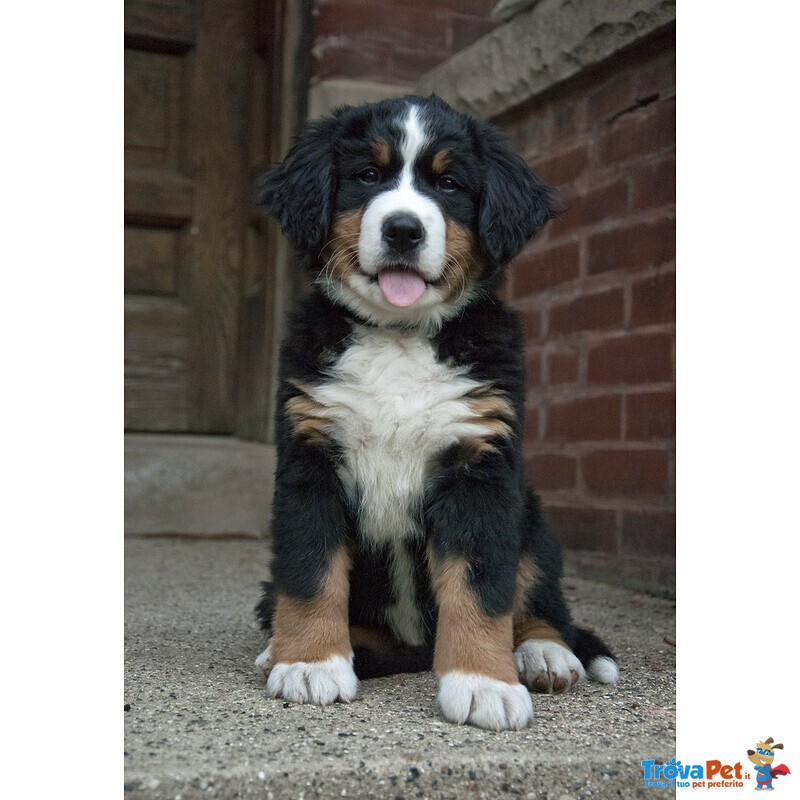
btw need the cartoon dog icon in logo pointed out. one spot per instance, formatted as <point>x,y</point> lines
<point>762,757</point>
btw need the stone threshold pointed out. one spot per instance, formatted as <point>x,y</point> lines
<point>197,485</point>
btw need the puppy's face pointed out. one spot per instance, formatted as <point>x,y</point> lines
<point>403,248</point>
<point>408,208</point>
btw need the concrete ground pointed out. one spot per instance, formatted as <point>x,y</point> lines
<point>198,723</point>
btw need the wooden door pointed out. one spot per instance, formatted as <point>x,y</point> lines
<point>195,96</point>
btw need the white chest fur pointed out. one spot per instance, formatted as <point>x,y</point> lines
<point>393,406</point>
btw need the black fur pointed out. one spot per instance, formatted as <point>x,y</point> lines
<point>515,204</point>
<point>300,192</point>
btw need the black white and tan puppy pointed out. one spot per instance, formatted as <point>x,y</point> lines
<point>404,536</point>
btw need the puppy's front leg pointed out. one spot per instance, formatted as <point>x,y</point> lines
<point>309,659</point>
<point>473,656</point>
<point>310,645</point>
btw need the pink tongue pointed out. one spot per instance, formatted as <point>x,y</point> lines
<point>401,287</point>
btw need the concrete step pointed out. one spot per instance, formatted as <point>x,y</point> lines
<point>198,723</point>
<point>197,485</point>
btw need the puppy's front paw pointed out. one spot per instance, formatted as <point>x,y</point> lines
<point>484,702</point>
<point>546,666</point>
<point>264,661</point>
<point>317,682</point>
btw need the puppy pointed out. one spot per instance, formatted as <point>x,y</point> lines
<point>404,537</point>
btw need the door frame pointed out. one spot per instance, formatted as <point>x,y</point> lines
<point>277,278</point>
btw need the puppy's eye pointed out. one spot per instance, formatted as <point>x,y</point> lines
<point>446,184</point>
<point>369,175</point>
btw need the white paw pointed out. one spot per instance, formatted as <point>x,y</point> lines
<point>484,702</point>
<point>604,670</point>
<point>264,661</point>
<point>317,682</point>
<point>546,666</point>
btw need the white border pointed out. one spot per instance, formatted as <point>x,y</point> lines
<point>61,326</point>
<point>738,433</point>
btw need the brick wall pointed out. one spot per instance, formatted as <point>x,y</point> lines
<point>597,292</point>
<point>392,41</point>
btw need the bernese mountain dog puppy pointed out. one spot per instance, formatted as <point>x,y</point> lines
<point>404,536</point>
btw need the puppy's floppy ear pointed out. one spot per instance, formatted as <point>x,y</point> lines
<point>299,192</point>
<point>514,204</point>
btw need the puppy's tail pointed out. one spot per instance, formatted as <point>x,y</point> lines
<point>598,661</point>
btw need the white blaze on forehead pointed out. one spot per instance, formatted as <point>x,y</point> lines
<point>404,198</point>
<point>414,140</point>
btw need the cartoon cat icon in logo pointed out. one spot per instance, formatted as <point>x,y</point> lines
<point>762,757</point>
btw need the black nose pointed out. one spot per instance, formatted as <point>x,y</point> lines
<point>402,232</point>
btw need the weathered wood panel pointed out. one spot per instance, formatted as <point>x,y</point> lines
<point>186,189</point>
<point>159,364</point>
<point>152,260</point>
<point>164,197</point>
<point>165,26</point>
<point>155,97</point>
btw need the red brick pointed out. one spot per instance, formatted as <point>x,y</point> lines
<point>536,270</point>
<point>650,415</point>
<point>654,184</point>
<point>585,419</point>
<point>475,8</point>
<point>642,132</point>
<point>658,77</point>
<point>567,118</point>
<point>648,533</point>
<point>468,29</point>
<point>654,300</point>
<point>531,423</point>
<point>632,359</point>
<point>533,365</point>
<point>584,528</point>
<point>407,65</point>
<point>348,61</point>
<point>614,96</point>
<point>563,168</point>
<point>364,24</point>
<point>626,472</point>
<point>534,134</point>
<point>588,312</point>
<point>594,206</point>
<point>552,472</point>
<point>562,367</point>
<point>532,326</point>
<point>635,245</point>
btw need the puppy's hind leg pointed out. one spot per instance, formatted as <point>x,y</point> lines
<point>551,654</point>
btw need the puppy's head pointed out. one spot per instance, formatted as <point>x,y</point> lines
<point>405,210</point>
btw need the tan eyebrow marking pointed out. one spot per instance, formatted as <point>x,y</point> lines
<point>441,161</point>
<point>381,152</point>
